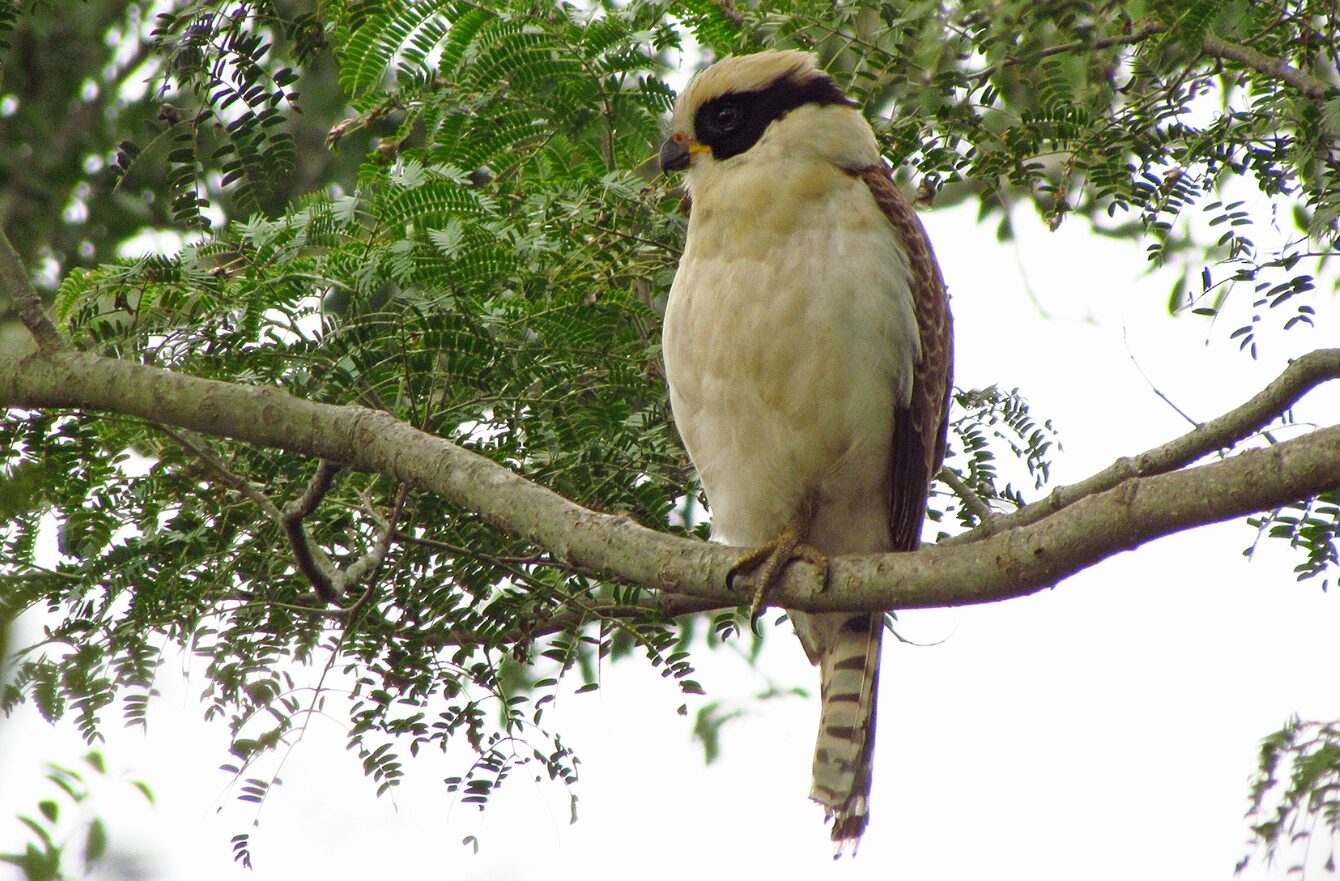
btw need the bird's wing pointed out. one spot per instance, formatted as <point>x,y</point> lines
<point>920,428</point>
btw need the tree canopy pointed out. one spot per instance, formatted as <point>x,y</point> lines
<point>391,404</point>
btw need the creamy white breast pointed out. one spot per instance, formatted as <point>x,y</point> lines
<point>789,336</point>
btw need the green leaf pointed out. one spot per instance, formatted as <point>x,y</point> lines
<point>95,845</point>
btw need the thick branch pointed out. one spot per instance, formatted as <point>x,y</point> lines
<point>1008,564</point>
<point>14,281</point>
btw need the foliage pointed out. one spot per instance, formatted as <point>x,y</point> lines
<point>984,422</point>
<point>1311,527</point>
<point>47,857</point>
<point>475,254</point>
<point>479,282</point>
<point>114,116</point>
<point>1287,820</point>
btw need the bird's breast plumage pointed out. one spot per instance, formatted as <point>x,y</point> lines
<point>789,339</point>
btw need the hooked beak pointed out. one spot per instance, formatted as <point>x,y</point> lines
<point>675,154</point>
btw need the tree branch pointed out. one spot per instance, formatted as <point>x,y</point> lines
<point>1309,86</point>
<point>1220,433</point>
<point>312,561</point>
<point>14,281</point>
<point>1037,551</point>
<point>971,500</point>
<point>193,445</point>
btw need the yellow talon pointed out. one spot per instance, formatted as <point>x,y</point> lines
<point>771,559</point>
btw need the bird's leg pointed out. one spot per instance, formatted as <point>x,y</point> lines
<point>771,559</point>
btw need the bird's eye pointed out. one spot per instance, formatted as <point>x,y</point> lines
<point>725,119</point>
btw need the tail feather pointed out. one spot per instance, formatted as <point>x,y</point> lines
<point>846,648</point>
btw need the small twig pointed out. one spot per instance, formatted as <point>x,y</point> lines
<point>668,605</point>
<point>195,446</point>
<point>974,503</point>
<point>497,560</point>
<point>1154,388</point>
<point>14,282</point>
<point>363,120</point>
<point>1309,86</point>
<point>370,562</point>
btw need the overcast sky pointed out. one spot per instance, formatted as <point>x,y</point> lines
<point>1105,729</point>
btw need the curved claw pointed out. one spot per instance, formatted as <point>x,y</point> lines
<point>771,559</point>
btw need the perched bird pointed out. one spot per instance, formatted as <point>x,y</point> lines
<point>807,345</point>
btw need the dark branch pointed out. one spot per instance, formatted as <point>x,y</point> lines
<point>311,560</point>
<point>317,487</point>
<point>329,581</point>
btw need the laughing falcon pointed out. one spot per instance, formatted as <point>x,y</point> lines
<point>807,346</point>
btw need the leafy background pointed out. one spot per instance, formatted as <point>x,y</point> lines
<point>433,208</point>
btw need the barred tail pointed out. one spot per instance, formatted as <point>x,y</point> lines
<point>846,648</point>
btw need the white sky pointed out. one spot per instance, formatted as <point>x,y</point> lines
<point>1106,729</point>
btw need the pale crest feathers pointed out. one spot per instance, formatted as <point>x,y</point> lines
<point>740,73</point>
<point>832,135</point>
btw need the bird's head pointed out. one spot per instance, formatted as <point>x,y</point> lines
<point>728,107</point>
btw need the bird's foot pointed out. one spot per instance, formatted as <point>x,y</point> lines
<point>771,559</point>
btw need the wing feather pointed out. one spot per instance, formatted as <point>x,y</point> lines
<point>921,428</point>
